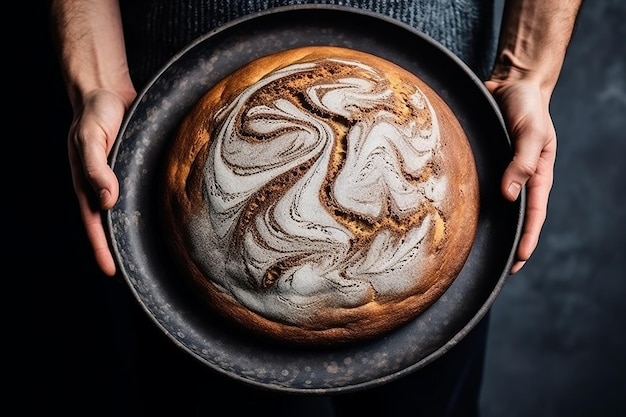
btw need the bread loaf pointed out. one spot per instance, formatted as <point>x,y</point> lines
<point>321,195</point>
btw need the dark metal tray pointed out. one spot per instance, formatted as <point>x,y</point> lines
<point>140,246</point>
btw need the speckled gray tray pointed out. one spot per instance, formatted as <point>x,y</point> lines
<point>139,244</point>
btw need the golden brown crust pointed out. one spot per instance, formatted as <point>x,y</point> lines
<point>453,220</point>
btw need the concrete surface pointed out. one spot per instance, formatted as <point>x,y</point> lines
<point>557,342</point>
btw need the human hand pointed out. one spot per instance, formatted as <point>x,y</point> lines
<point>93,131</point>
<point>525,108</point>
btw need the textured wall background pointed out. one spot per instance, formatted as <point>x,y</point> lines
<point>557,342</point>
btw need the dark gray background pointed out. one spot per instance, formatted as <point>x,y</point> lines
<point>557,341</point>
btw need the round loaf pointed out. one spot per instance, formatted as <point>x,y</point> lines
<point>321,195</point>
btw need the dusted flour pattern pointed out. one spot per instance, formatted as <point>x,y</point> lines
<point>314,195</point>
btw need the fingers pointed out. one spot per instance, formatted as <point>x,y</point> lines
<point>517,266</point>
<point>526,111</point>
<point>98,173</point>
<point>530,138</point>
<point>91,215</point>
<point>91,138</point>
<point>532,166</point>
<point>92,219</point>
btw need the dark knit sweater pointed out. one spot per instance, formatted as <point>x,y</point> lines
<point>156,29</point>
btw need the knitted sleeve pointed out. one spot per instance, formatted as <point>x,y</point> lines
<point>157,29</point>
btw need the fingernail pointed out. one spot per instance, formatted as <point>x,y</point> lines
<point>517,267</point>
<point>104,195</point>
<point>514,189</point>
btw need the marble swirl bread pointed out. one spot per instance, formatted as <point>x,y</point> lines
<point>321,195</point>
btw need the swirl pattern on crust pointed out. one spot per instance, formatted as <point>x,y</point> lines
<point>321,195</point>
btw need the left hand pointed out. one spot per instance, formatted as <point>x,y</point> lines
<point>525,108</point>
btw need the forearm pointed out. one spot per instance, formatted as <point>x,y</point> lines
<point>90,42</point>
<point>533,41</point>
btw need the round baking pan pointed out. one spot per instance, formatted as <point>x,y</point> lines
<point>140,245</point>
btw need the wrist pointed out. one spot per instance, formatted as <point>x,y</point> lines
<point>533,41</point>
<point>509,68</point>
<point>90,43</point>
<point>81,85</point>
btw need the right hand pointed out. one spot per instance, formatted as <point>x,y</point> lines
<point>95,126</point>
